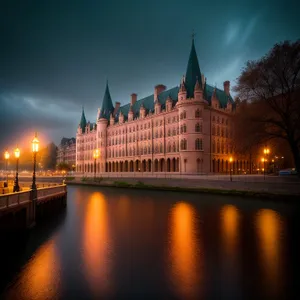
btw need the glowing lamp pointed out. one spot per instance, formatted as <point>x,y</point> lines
<point>17,152</point>
<point>6,155</point>
<point>35,144</point>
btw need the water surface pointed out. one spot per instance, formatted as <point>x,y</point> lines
<point>120,243</point>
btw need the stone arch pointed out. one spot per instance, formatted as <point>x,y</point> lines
<point>162,165</point>
<point>126,166</point>
<point>131,166</point>
<point>156,165</point>
<point>144,166</point>
<point>149,165</point>
<point>168,165</point>
<point>173,165</point>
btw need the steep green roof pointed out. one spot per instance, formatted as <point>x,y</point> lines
<point>107,106</point>
<point>192,72</point>
<point>221,95</point>
<point>83,121</point>
<point>148,103</point>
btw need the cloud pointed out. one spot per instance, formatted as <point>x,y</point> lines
<point>232,33</point>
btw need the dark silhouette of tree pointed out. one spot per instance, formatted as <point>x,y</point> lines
<point>273,84</point>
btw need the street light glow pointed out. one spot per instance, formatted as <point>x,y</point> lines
<point>6,155</point>
<point>35,144</point>
<point>17,152</point>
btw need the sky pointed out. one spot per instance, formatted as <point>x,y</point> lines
<point>55,56</point>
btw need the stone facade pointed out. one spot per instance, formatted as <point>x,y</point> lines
<point>66,151</point>
<point>185,129</point>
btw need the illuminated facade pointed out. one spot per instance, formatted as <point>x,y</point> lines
<point>185,129</point>
<point>66,151</point>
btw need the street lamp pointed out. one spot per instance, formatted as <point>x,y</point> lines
<point>6,156</point>
<point>230,161</point>
<point>264,160</point>
<point>96,155</point>
<point>35,148</point>
<point>266,152</point>
<point>16,183</point>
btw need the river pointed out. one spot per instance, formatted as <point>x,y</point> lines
<point>136,244</point>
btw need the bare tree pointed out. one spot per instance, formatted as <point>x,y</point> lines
<point>273,83</point>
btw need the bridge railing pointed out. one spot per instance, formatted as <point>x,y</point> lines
<point>50,191</point>
<point>13,199</point>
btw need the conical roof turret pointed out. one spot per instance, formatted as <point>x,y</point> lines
<point>192,72</point>
<point>107,107</point>
<point>82,123</point>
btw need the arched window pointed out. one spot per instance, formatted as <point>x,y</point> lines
<point>198,113</point>
<point>130,151</point>
<point>198,144</point>
<point>184,128</point>
<point>133,151</point>
<point>149,135</point>
<point>169,147</point>
<point>169,132</point>
<point>174,147</point>
<point>161,133</point>
<point>218,130</point>
<point>184,115</point>
<point>149,149</point>
<point>160,148</point>
<point>156,148</point>
<point>183,144</point>
<point>197,127</point>
<point>174,131</point>
<point>218,146</point>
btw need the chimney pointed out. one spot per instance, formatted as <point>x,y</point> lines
<point>158,89</point>
<point>133,98</point>
<point>227,87</point>
<point>117,106</point>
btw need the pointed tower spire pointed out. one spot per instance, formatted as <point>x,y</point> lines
<point>107,107</point>
<point>192,71</point>
<point>83,120</point>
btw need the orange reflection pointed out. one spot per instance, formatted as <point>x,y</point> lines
<point>41,276</point>
<point>269,230</point>
<point>96,244</point>
<point>184,252</point>
<point>230,220</point>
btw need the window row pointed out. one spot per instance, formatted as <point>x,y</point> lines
<point>221,148</point>
<point>219,120</point>
<point>223,132</point>
<point>198,144</point>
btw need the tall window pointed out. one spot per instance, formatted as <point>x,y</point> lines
<point>160,148</point>
<point>184,115</point>
<point>183,144</point>
<point>198,127</point>
<point>169,147</point>
<point>174,147</point>
<point>198,113</point>
<point>198,144</point>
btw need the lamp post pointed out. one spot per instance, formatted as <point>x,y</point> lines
<point>16,183</point>
<point>230,162</point>
<point>266,153</point>
<point>6,156</point>
<point>35,148</point>
<point>96,155</point>
<point>264,160</point>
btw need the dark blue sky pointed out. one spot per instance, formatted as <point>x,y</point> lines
<point>55,56</point>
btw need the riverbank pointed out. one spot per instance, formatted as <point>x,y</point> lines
<point>257,190</point>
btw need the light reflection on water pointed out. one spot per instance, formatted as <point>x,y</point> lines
<point>184,250</point>
<point>132,244</point>
<point>270,238</point>
<point>96,244</point>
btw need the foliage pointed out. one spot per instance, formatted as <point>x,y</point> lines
<point>272,85</point>
<point>63,167</point>
<point>70,178</point>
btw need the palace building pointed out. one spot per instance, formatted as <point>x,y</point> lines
<point>185,129</point>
